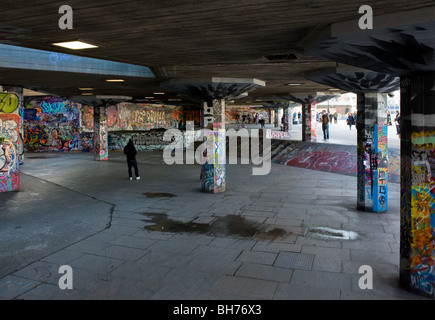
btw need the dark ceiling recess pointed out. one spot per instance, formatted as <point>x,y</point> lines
<point>281,57</point>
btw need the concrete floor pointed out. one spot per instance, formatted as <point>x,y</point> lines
<point>75,211</point>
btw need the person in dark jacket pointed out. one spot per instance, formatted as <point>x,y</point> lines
<point>130,152</point>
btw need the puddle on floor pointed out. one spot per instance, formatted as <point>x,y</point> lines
<point>272,234</point>
<point>331,234</point>
<point>159,195</point>
<point>230,225</point>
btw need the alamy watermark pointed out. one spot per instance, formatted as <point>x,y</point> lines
<point>66,20</point>
<point>366,21</point>
<point>366,280</point>
<point>213,149</point>
<point>66,281</point>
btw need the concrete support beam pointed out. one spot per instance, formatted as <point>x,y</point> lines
<point>213,177</point>
<point>288,121</point>
<point>372,143</point>
<point>309,122</point>
<point>101,147</point>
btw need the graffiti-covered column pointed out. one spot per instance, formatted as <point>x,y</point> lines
<point>403,46</point>
<point>101,148</point>
<point>276,117</point>
<point>288,125</point>
<point>212,93</point>
<point>213,170</point>
<point>372,152</point>
<point>417,240</point>
<point>309,126</point>
<point>371,89</point>
<point>10,121</point>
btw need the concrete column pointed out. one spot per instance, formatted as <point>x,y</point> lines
<point>277,120</point>
<point>213,178</point>
<point>101,148</point>
<point>10,122</point>
<point>372,154</point>
<point>417,199</point>
<point>309,122</point>
<point>288,125</point>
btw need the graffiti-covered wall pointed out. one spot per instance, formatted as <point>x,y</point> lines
<point>135,117</point>
<point>239,114</point>
<point>53,124</point>
<point>9,142</point>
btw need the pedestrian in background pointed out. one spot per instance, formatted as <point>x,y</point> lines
<point>130,152</point>
<point>350,120</point>
<point>325,125</point>
<point>397,122</point>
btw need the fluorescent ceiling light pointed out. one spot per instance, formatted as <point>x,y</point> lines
<point>86,89</point>
<point>87,93</point>
<point>158,93</point>
<point>294,84</point>
<point>115,80</point>
<point>334,89</point>
<point>75,45</point>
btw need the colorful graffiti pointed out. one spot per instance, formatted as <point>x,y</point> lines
<point>331,158</point>
<point>143,141</point>
<point>213,170</point>
<point>309,122</point>
<point>134,117</point>
<point>101,147</point>
<point>9,167</point>
<point>242,114</point>
<point>379,168</point>
<point>422,224</point>
<point>365,174</point>
<point>8,102</point>
<point>53,124</point>
<point>9,142</point>
<point>213,177</point>
<point>219,160</point>
<point>271,134</point>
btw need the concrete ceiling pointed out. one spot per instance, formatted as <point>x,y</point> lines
<point>262,39</point>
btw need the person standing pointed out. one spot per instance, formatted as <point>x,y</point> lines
<point>325,125</point>
<point>130,152</point>
<point>181,125</point>
<point>261,121</point>
<point>397,122</point>
<point>350,120</point>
